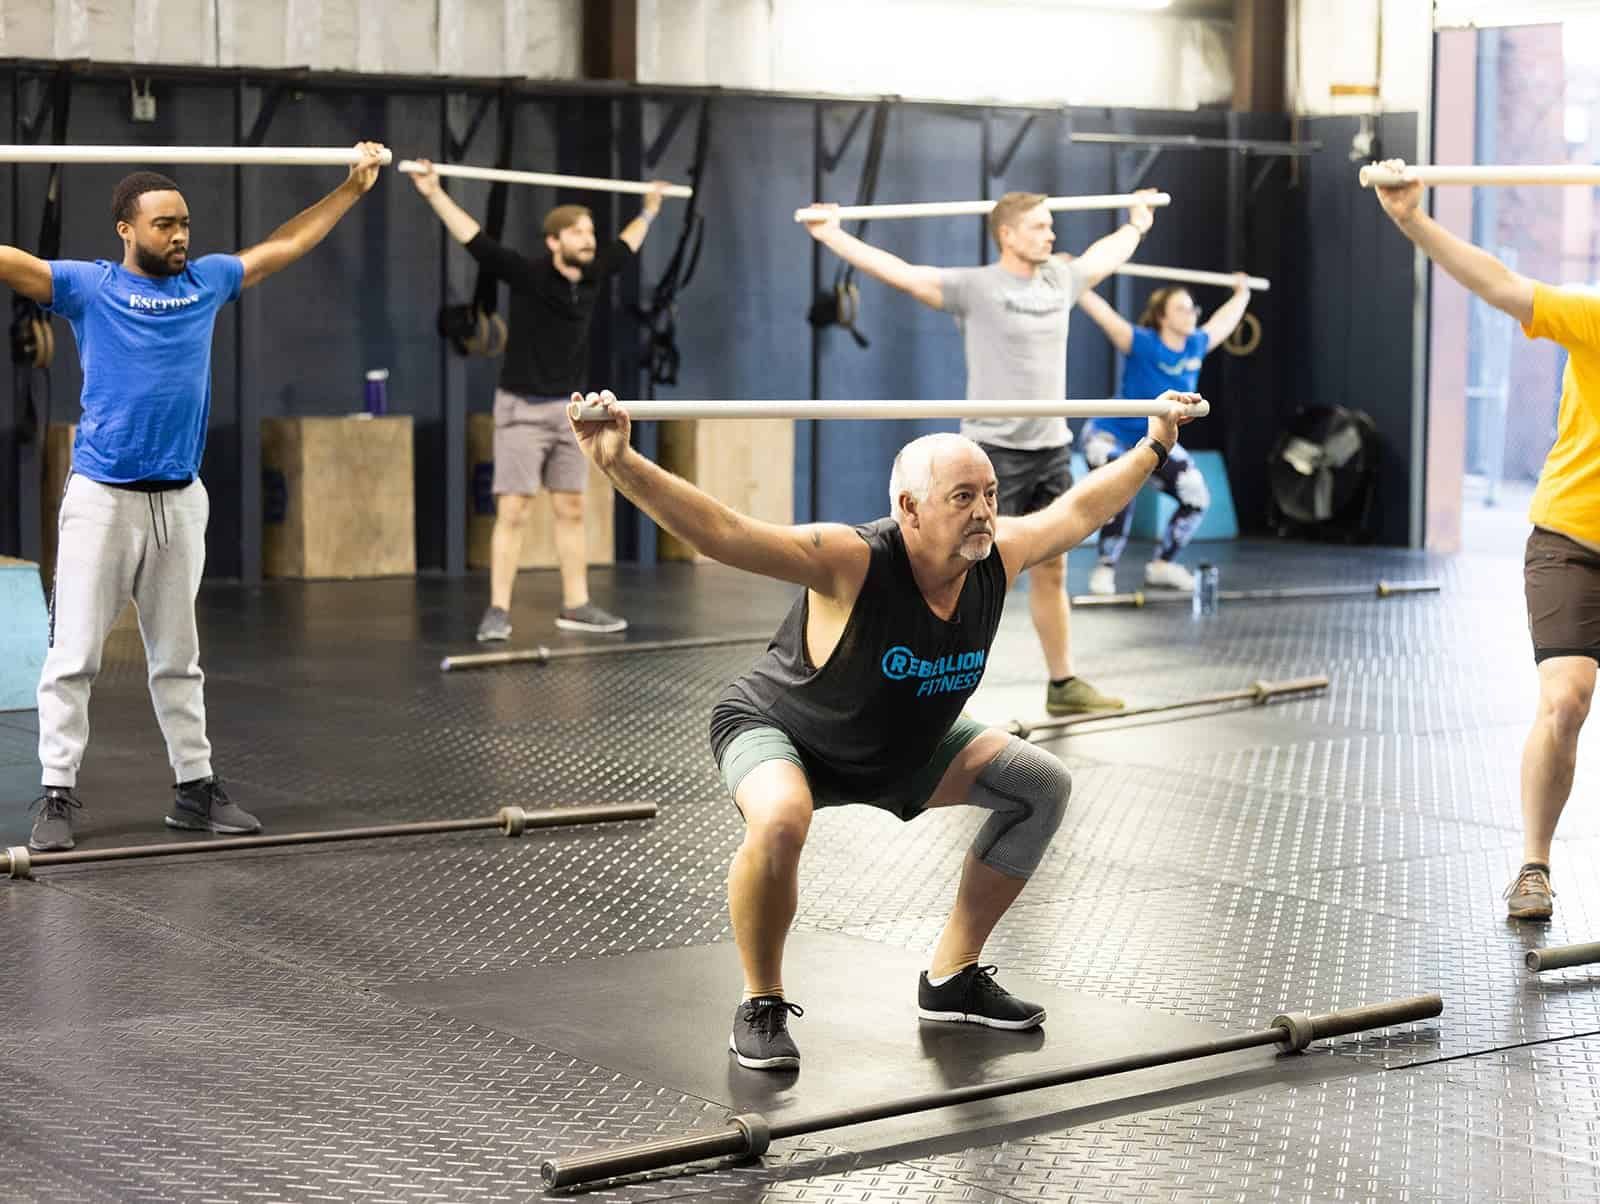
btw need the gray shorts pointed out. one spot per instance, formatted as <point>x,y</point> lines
<point>534,447</point>
<point>907,799</point>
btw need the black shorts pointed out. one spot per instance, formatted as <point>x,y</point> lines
<point>1030,480</point>
<point>1562,580</point>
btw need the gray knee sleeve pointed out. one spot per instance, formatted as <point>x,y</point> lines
<point>1027,789</point>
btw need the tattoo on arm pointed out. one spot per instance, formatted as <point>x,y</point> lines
<point>816,539</point>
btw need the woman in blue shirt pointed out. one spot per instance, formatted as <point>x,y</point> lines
<point>1164,351</point>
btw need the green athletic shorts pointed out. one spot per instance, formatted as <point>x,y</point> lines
<point>755,745</point>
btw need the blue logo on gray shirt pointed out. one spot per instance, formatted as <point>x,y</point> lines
<point>957,672</point>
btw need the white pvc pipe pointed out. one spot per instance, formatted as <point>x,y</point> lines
<point>663,410</point>
<point>1147,271</point>
<point>1057,204</point>
<point>249,156</point>
<point>411,167</point>
<point>1376,174</point>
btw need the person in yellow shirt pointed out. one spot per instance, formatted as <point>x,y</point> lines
<point>1561,570</point>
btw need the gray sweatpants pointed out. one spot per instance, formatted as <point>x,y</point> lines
<point>118,544</point>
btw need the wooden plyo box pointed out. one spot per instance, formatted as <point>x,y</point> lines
<point>338,497</point>
<point>539,542</point>
<point>745,463</point>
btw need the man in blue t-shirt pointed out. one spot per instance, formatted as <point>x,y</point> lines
<point>133,517</point>
<point>1164,351</point>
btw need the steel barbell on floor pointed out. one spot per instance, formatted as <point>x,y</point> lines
<point>20,862</point>
<point>750,1134</point>
<point>543,655</point>
<point>1259,693</point>
<point>1383,589</point>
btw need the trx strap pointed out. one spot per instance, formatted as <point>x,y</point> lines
<point>841,305</point>
<point>33,340</point>
<point>476,329</point>
<point>659,317</point>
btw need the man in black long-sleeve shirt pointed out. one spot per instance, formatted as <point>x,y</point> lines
<point>547,355</point>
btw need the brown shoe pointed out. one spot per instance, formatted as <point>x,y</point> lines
<point>1077,697</point>
<point>1530,897</point>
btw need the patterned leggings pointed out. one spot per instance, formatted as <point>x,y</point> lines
<point>1178,478</point>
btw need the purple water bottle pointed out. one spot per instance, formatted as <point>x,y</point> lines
<point>378,391</point>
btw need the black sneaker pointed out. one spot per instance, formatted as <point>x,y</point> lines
<point>760,1037</point>
<point>52,831</point>
<point>203,806</point>
<point>974,997</point>
<point>589,617</point>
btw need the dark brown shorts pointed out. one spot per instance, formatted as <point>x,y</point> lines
<point>1562,579</point>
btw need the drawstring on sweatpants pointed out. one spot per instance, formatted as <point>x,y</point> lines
<point>159,528</point>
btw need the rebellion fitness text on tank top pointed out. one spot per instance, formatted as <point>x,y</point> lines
<point>898,679</point>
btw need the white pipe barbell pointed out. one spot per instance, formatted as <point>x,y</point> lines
<point>1145,271</point>
<point>1058,204</point>
<point>411,167</point>
<point>1379,175</point>
<point>245,156</point>
<point>645,411</point>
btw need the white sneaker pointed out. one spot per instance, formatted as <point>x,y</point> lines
<point>1164,574</point>
<point>1103,579</point>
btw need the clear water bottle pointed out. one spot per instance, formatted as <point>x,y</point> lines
<point>377,393</point>
<point>1205,590</point>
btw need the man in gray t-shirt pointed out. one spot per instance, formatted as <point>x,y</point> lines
<point>1015,332</point>
<point>1013,316</point>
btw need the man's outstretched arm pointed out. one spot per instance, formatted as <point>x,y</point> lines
<point>26,274</point>
<point>1106,255</point>
<point>828,558</point>
<point>918,279</point>
<point>1090,504</point>
<point>1472,267</point>
<point>306,229</point>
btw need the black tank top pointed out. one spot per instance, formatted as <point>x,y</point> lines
<point>877,710</point>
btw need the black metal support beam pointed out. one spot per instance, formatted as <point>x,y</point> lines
<point>670,126</point>
<point>832,158</point>
<point>264,115</point>
<point>457,148</point>
<point>453,370</point>
<point>246,408</point>
<point>998,167</point>
<point>1139,174</point>
<point>1255,146</point>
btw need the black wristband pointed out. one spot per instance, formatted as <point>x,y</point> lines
<point>1156,446</point>
<point>1136,230</point>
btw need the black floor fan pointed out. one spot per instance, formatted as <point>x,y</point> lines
<point>1323,476</point>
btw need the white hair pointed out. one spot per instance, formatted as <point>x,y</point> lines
<point>913,467</point>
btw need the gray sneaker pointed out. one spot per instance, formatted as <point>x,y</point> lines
<point>589,617</point>
<point>203,806</point>
<point>52,831</point>
<point>496,625</point>
<point>1530,896</point>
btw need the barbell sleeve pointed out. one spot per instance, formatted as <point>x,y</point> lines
<point>1560,957</point>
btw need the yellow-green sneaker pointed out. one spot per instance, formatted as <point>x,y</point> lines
<point>1077,697</point>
